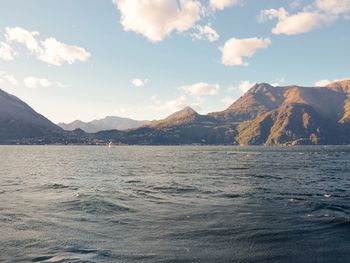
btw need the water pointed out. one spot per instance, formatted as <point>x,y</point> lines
<point>174,204</point>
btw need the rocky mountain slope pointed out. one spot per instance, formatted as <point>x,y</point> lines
<point>296,115</point>
<point>290,124</point>
<point>18,120</point>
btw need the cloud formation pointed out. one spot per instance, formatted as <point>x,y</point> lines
<point>8,78</point>
<point>299,23</point>
<point>235,49</point>
<point>33,82</point>
<point>205,33</point>
<point>325,82</point>
<point>227,100</point>
<point>24,37</point>
<point>201,89</point>
<point>157,19</point>
<point>335,7</point>
<point>56,53</point>
<point>49,50</point>
<point>170,105</point>
<point>222,4</point>
<point>313,16</point>
<point>6,52</point>
<point>245,85</point>
<point>139,82</point>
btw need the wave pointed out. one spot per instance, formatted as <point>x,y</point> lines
<point>94,205</point>
<point>74,254</point>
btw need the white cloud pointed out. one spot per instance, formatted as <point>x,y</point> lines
<point>168,106</point>
<point>61,85</point>
<point>228,100</point>
<point>57,53</point>
<point>25,37</point>
<point>176,104</point>
<point>269,14</point>
<point>139,82</point>
<point>322,83</point>
<point>278,82</point>
<point>6,51</point>
<point>245,85</point>
<point>234,50</point>
<point>221,4</point>
<point>299,23</point>
<point>296,4</point>
<point>198,104</point>
<point>335,7</point>
<point>205,32</point>
<point>201,89</point>
<point>33,82</point>
<point>50,50</point>
<point>8,78</point>
<point>156,19</point>
<point>315,15</point>
<point>11,79</point>
<point>325,82</point>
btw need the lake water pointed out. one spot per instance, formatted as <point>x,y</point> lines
<point>174,204</point>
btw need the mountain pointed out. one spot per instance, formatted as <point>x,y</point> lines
<point>18,120</point>
<point>184,116</point>
<point>297,115</point>
<point>107,123</point>
<point>265,115</point>
<point>183,127</point>
<point>260,99</point>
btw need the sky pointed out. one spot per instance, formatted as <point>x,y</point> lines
<point>145,59</point>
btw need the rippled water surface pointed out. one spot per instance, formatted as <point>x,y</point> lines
<point>174,204</point>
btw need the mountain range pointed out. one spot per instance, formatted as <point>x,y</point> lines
<point>265,115</point>
<point>107,123</point>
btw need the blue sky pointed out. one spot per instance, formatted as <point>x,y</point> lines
<point>144,59</point>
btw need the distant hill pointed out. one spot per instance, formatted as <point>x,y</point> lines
<point>107,123</point>
<point>18,120</point>
<point>184,116</point>
<point>183,127</point>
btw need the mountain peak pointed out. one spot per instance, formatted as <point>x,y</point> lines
<point>259,99</point>
<point>261,87</point>
<point>343,84</point>
<point>188,110</point>
<point>185,115</point>
<point>340,82</point>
